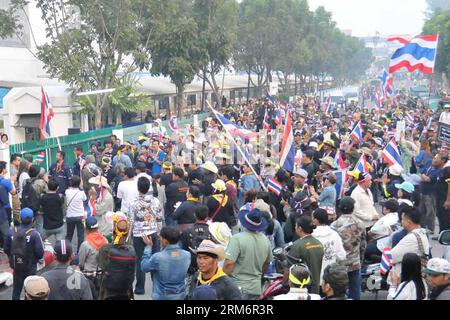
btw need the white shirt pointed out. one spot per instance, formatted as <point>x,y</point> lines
<point>405,291</point>
<point>297,294</point>
<point>364,208</point>
<point>75,202</point>
<point>409,244</point>
<point>128,192</point>
<point>382,228</point>
<point>333,248</point>
<point>23,177</point>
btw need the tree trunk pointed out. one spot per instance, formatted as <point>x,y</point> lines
<point>110,116</point>
<point>98,117</point>
<point>118,117</point>
<point>180,101</point>
<point>295,83</point>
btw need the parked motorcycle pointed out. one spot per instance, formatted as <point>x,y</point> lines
<point>273,282</point>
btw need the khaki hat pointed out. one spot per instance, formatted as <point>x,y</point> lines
<point>329,161</point>
<point>96,181</point>
<point>36,287</point>
<point>209,165</point>
<point>262,206</point>
<point>221,232</point>
<point>207,246</point>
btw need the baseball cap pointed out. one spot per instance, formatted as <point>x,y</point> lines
<point>437,266</point>
<point>36,286</point>
<point>26,213</point>
<point>63,250</point>
<point>391,204</point>
<point>405,186</point>
<point>91,223</point>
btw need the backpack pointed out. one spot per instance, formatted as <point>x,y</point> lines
<point>19,259</point>
<point>30,197</point>
<point>119,273</point>
<point>195,236</point>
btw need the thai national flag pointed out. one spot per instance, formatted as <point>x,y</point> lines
<point>402,40</point>
<point>234,129</point>
<point>274,186</point>
<point>417,54</point>
<point>173,123</point>
<point>386,261</point>
<point>379,102</point>
<point>277,119</point>
<point>266,123</point>
<point>341,180</point>
<point>409,119</point>
<point>46,116</point>
<point>387,83</point>
<point>40,157</point>
<point>328,105</point>
<point>357,133</point>
<point>271,99</point>
<point>391,154</point>
<point>362,165</point>
<point>287,155</point>
<point>90,208</point>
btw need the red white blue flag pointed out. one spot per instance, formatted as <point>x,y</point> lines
<point>46,116</point>
<point>362,165</point>
<point>340,164</point>
<point>387,83</point>
<point>234,129</point>
<point>287,155</point>
<point>391,154</point>
<point>341,180</point>
<point>40,157</point>
<point>274,186</point>
<point>417,54</point>
<point>357,133</point>
<point>386,261</point>
<point>90,208</point>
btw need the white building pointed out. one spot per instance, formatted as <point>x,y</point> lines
<point>22,113</point>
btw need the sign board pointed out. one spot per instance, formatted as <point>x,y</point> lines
<point>443,132</point>
<point>119,134</point>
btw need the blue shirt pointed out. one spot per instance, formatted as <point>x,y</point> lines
<point>8,187</point>
<point>124,159</point>
<point>156,167</point>
<point>169,269</point>
<point>328,197</point>
<point>429,188</point>
<point>423,161</point>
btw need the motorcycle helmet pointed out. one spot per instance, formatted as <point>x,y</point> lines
<point>300,275</point>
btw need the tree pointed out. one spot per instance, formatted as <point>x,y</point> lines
<point>434,5</point>
<point>217,26</point>
<point>439,23</point>
<point>89,44</point>
<point>175,47</point>
<point>256,49</point>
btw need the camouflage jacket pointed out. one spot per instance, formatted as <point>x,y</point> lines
<point>353,234</point>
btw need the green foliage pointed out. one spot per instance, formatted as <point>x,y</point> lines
<point>285,36</point>
<point>439,23</point>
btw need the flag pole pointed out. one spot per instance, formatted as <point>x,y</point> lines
<point>238,147</point>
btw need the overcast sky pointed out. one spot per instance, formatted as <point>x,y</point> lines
<point>365,17</point>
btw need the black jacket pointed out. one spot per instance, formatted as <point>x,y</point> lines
<point>175,192</point>
<point>185,212</point>
<point>225,287</point>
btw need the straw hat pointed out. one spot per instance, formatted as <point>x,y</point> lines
<point>209,165</point>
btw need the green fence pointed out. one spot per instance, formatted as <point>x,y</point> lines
<point>68,143</point>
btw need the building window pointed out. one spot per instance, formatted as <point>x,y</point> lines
<point>192,98</point>
<point>76,120</point>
